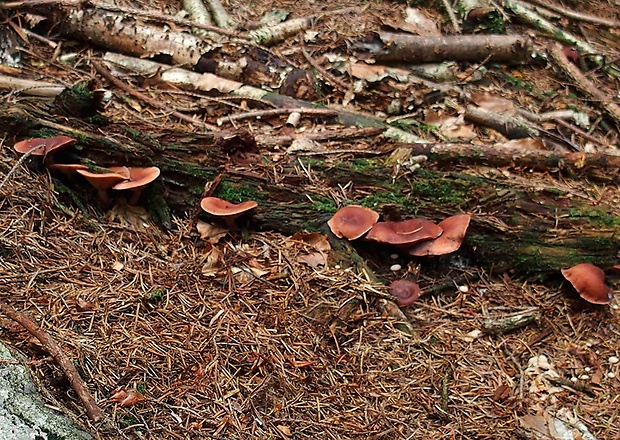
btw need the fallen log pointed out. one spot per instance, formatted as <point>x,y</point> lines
<point>528,228</point>
<point>475,48</point>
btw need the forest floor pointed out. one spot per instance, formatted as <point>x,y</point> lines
<point>253,338</point>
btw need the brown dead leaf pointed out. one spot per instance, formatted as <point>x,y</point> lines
<point>82,305</point>
<point>300,364</point>
<point>417,23</point>
<point>493,103</point>
<point>285,430</point>
<point>214,262</point>
<point>529,144</point>
<point>127,397</point>
<point>313,259</point>
<point>314,239</point>
<point>210,232</point>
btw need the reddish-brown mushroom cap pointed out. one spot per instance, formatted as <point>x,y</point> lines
<point>454,229</point>
<point>352,221</point>
<point>47,145</point>
<point>102,181</point>
<point>589,281</point>
<point>405,292</point>
<point>222,208</point>
<point>68,168</point>
<point>404,233</point>
<point>138,177</point>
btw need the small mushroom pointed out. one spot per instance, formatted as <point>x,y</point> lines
<point>589,281</point>
<point>102,182</point>
<point>227,211</point>
<point>138,179</point>
<point>353,221</point>
<point>454,229</point>
<point>405,292</point>
<point>406,232</point>
<point>46,147</point>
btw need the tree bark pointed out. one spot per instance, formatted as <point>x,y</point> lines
<point>530,229</point>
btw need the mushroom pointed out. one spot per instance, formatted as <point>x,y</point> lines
<point>138,179</point>
<point>406,232</point>
<point>227,211</point>
<point>405,292</point>
<point>68,169</point>
<point>352,221</point>
<point>46,147</point>
<point>454,229</point>
<point>102,182</point>
<point>589,281</point>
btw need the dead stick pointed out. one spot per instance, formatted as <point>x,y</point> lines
<point>584,84</point>
<point>52,347</point>
<point>150,101</point>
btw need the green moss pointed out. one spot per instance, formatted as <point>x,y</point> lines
<point>237,193</point>
<point>596,216</point>
<point>454,192</point>
<point>361,165</point>
<point>186,168</point>
<point>323,204</point>
<point>380,198</point>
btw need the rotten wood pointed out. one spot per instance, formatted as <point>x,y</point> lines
<point>600,166</point>
<point>51,346</point>
<point>533,229</point>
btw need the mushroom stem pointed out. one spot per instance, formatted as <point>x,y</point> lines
<point>135,196</point>
<point>104,197</point>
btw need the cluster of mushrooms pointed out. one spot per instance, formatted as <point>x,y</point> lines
<point>417,237</point>
<point>421,237</point>
<point>132,179</point>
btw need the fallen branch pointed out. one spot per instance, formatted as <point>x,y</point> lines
<point>598,165</point>
<point>529,16</point>
<point>477,48</point>
<point>574,15</point>
<point>150,101</point>
<point>51,346</point>
<point>584,84</point>
<point>30,87</point>
<point>209,82</point>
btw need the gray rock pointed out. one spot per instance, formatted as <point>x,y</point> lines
<point>23,414</point>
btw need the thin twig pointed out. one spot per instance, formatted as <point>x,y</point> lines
<point>51,346</point>
<point>18,163</point>
<point>277,112</point>
<point>336,82</point>
<point>152,102</point>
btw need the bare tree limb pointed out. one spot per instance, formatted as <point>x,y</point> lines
<point>51,346</point>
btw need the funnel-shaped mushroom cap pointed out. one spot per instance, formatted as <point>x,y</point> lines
<point>222,208</point>
<point>47,145</point>
<point>352,221</point>
<point>102,181</point>
<point>138,177</point>
<point>454,229</point>
<point>405,292</point>
<point>589,281</point>
<point>405,232</point>
<point>68,168</point>
<point>123,171</point>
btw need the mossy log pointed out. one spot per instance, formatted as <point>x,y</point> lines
<point>529,229</point>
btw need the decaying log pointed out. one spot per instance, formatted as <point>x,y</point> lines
<point>600,166</point>
<point>477,48</point>
<point>532,229</point>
